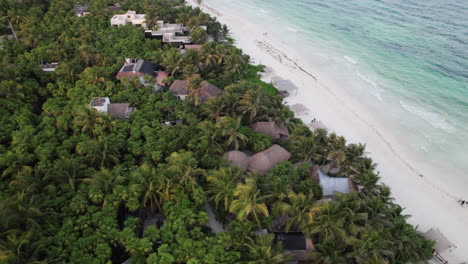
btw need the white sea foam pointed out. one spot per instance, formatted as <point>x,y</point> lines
<point>263,11</point>
<point>350,60</point>
<point>292,29</point>
<point>366,79</point>
<point>432,118</point>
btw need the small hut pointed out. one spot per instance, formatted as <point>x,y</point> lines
<point>296,244</point>
<point>180,89</point>
<point>331,185</point>
<point>265,160</point>
<point>271,129</point>
<point>237,158</point>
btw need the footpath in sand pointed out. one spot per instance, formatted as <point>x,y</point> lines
<point>416,184</point>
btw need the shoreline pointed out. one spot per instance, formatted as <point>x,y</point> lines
<point>416,184</point>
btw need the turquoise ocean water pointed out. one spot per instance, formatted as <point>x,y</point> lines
<point>406,60</point>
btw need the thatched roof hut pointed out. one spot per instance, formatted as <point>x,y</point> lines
<point>237,158</point>
<point>271,129</point>
<point>265,160</point>
<point>180,87</point>
<point>207,91</point>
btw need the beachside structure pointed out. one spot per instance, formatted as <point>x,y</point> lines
<point>81,10</point>
<point>237,158</point>
<point>271,129</point>
<point>332,185</point>
<point>48,67</point>
<point>261,162</point>
<point>180,89</point>
<point>265,160</point>
<point>129,18</point>
<point>139,68</point>
<point>169,33</point>
<point>297,244</point>
<point>116,110</point>
<point>442,244</point>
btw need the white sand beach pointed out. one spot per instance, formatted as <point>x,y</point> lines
<point>425,190</point>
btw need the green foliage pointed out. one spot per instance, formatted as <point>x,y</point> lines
<point>256,142</point>
<point>71,175</point>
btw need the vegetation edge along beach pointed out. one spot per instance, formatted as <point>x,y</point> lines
<point>102,162</point>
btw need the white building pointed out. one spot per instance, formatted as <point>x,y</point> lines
<point>116,110</point>
<point>129,18</point>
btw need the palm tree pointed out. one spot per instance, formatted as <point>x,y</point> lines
<point>372,247</point>
<point>264,250</point>
<point>89,120</point>
<point>249,201</point>
<point>329,222</point>
<point>297,208</point>
<point>195,85</point>
<point>214,108</point>
<point>236,62</point>
<point>229,130</point>
<point>210,134</point>
<point>251,103</point>
<point>328,252</point>
<point>12,246</point>
<point>102,184</point>
<point>336,150</point>
<point>172,60</point>
<point>67,170</point>
<point>145,181</point>
<point>354,160</point>
<point>183,167</point>
<point>222,184</point>
<point>28,180</point>
<point>103,153</point>
<point>305,148</point>
<point>20,212</point>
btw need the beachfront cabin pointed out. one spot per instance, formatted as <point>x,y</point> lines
<point>261,162</point>
<point>265,160</point>
<point>271,129</point>
<point>332,185</point>
<point>129,18</point>
<point>285,87</point>
<point>141,68</point>
<point>48,67</point>
<point>297,244</point>
<point>169,33</point>
<point>180,89</point>
<point>81,10</point>
<point>115,110</point>
<point>237,158</point>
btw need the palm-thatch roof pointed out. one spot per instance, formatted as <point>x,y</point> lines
<point>207,91</point>
<point>180,87</point>
<point>237,158</point>
<point>271,129</point>
<point>263,161</point>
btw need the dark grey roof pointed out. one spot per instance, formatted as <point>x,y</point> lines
<point>145,67</point>
<point>291,240</point>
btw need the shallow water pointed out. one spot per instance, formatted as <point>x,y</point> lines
<point>407,61</point>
